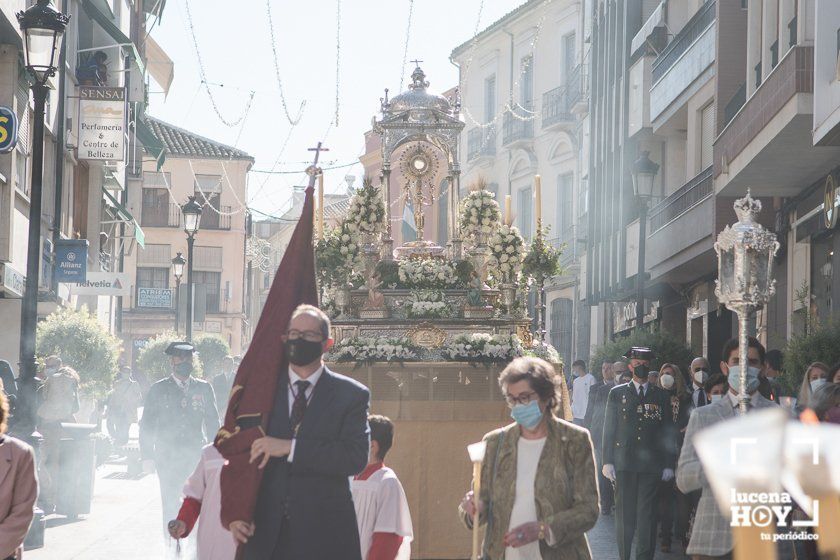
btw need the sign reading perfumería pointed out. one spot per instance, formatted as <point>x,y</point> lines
<point>102,127</point>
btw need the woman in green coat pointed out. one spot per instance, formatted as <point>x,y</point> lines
<point>539,492</point>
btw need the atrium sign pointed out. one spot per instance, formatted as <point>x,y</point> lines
<point>102,129</point>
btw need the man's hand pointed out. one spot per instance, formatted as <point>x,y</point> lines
<point>667,475</point>
<point>241,531</point>
<point>608,471</point>
<point>269,447</point>
<point>177,528</point>
<point>148,466</point>
<point>524,534</point>
<point>468,505</point>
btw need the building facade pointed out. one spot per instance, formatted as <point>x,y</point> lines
<point>83,195</point>
<point>524,98</point>
<point>216,175</point>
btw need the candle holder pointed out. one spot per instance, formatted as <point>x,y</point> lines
<point>745,256</point>
<point>508,298</point>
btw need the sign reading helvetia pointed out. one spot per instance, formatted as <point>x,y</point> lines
<point>102,123</point>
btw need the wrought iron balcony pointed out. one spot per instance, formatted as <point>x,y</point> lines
<point>572,243</point>
<point>683,200</point>
<point>211,219</point>
<point>518,124</point>
<point>161,215</point>
<point>481,141</point>
<point>695,27</point>
<point>557,103</point>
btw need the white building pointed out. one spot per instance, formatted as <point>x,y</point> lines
<point>523,91</point>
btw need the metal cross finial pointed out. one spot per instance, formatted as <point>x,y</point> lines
<point>313,170</point>
<point>416,62</point>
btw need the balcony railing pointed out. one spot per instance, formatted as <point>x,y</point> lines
<point>572,241</point>
<point>735,104</point>
<point>557,103</point>
<point>695,27</point>
<point>518,123</point>
<point>688,196</point>
<point>211,219</point>
<point>161,215</point>
<point>481,141</point>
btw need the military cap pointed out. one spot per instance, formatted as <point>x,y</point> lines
<point>640,353</point>
<point>179,349</point>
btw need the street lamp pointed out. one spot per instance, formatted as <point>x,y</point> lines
<point>745,256</point>
<point>178,270</point>
<point>192,219</point>
<point>644,172</point>
<point>43,29</point>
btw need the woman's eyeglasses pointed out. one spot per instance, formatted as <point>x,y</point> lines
<point>522,398</point>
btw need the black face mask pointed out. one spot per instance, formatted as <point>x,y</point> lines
<point>183,369</point>
<point>641,372</point>
<point>303,352</point>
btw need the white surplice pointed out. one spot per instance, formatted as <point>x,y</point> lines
<point>381,507</point>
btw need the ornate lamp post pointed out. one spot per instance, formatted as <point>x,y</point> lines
<point>745,254</point>
<point>178,271</point>
<point>43,29</point>
<point>192,219</point>
<point>644,172</point>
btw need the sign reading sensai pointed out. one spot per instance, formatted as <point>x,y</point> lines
<point>71,260</point>
<point>8,130</point>
<point>102,126</point>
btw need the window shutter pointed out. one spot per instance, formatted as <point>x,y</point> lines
<point>707,135</point>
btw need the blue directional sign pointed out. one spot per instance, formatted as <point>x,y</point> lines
<point>71,260</point>
<point>8,130</point>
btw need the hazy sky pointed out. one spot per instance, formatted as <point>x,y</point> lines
<point>234,42</point>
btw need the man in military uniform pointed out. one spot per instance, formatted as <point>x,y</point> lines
<point>179,418</point>
<point>639,450</point>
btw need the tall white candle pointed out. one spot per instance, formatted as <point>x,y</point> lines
<point>538,199</point>
<point>508,216</point>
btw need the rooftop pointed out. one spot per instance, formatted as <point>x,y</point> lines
<point>499,23</point>
<point>180,142</point>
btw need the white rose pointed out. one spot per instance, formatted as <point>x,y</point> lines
<point>510,249</point>
<point>504,258</point>
<point>485,221</point>
<point>505,267</point>
<point>473,220</point>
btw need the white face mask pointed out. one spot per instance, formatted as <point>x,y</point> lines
<point>817,383</point>
<point>700,376</point>
<point>667,380</point>
<point>716,398</point>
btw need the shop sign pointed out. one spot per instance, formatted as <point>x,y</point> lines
<point>103,284</point>
<point>154,297</point>
<point>624,314</point>
<point>14,282</point>
<point>102,127</point>
<point>831,202</point>
<point>8,130</point>
<point>71,260</point>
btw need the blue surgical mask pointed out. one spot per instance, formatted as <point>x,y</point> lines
<point>817,383</point>
<point>735,379</point>
<point>527,415</point>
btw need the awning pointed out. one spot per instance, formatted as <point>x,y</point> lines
<point>104,20</point>
<point>159,64</point>
<point>154,7</point>
<point>151,143</point>
<point>125,216</point>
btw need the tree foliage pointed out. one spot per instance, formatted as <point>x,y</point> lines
<point>212,349</point>
<point>155,364</point>
<point>819,345</point>
<point>84,344</point>
<point>668,349</point>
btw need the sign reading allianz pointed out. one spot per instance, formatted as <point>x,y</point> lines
<point>102,112</point>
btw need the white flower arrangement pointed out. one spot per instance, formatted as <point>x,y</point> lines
<point>366,215</point>
<point>480,213</point>
<point>484,348</point>
<point>507,251</point>
<point>375,349</point>
<point>427,273</point>
<point>545,351</point>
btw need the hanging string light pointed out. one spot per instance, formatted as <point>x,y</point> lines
<point>337,58</point>
<point>203,74</point>
<point>407,37</point>
<point>292,121</point>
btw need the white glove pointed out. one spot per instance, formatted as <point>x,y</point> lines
<point>148,466</point>
<point>667,475</point>
<point>609,472</point>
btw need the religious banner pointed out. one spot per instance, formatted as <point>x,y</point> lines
<point>71,260</point>
<point>102,112</point>
<point>8,130</point>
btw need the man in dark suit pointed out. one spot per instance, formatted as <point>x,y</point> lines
<point>317,438</point>
<point>595,414</point>
<point>639,450</point>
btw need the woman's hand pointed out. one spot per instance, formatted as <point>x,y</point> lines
<point>525,534</point>
<point>468,505</point>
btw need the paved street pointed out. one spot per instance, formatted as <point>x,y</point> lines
<point>124,524</point>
